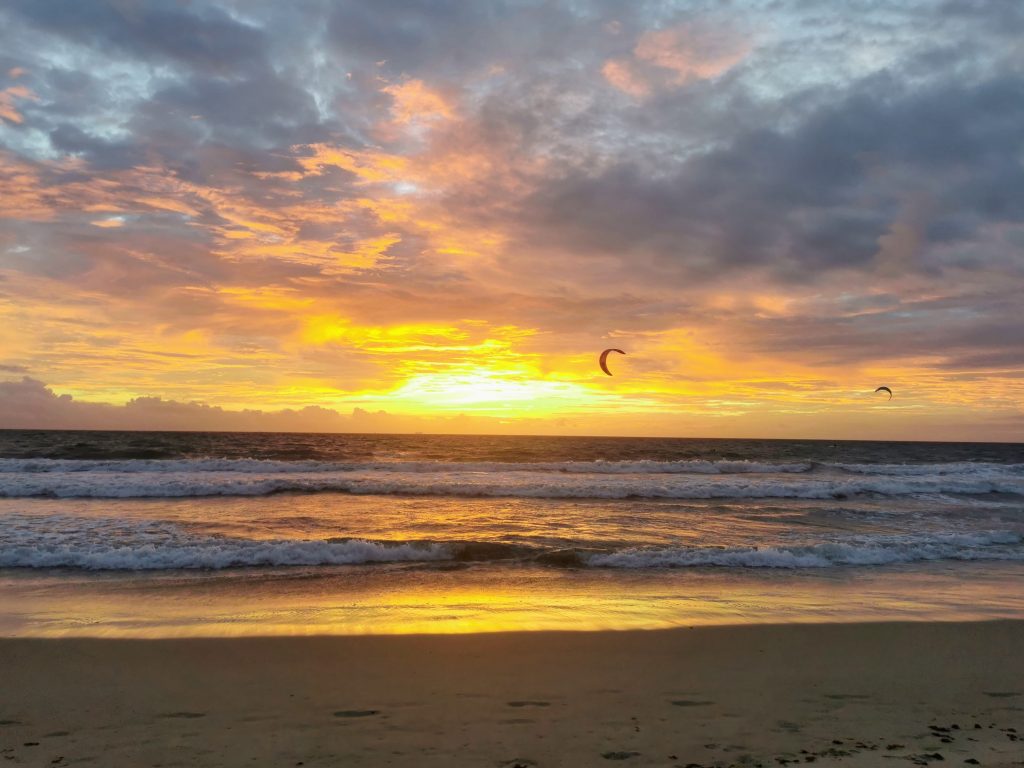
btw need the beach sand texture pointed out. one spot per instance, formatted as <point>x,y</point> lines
<point>852,695</point>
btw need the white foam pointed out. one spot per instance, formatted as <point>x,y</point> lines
<point>855,551</point>
<point>939,468</point>
<point>262,466</point>
<point>526,484</point>
<point>66,541</point>
<point>88,544</point>
<point>169,466</point>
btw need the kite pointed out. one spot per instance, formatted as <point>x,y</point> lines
<point>604,359</point>
<point>884,389</point>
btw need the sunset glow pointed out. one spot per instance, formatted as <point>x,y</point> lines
<point>436,221</point>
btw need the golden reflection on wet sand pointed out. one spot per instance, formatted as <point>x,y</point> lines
<point>414,600</point>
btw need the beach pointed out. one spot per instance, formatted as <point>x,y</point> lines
<point>331,600</point>
<point>849,694</point>
<point>514,384</point>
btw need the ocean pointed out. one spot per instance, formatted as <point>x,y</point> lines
<point>146,534</point>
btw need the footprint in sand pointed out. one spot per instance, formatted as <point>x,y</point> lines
<point>619,755</point>
<point>183,715</point>
<point>356,712</point>
<point>529,703</point>
<point>691,703</point>
<point>847,696</point>
<point>1002,694</point>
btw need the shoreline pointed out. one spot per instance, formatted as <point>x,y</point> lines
<point>386,600</point>
<point>681,627</point>
<point>711,695</point>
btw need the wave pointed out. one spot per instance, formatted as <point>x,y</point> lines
<point>154,551</point>
<point>156,546</point>
<point>164,482</point>
<point>599,466</point>
<point>939,468</point>
<point>878,550</point>
<point>264,466</point>
<point>691,479</point>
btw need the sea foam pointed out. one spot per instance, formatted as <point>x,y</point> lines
<point>598,480</point>
<point>163,547</point>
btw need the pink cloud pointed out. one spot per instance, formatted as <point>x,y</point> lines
<point>692,51</point>
<point>675,56</point>
<point>621,74</point>
<point>8,110</point>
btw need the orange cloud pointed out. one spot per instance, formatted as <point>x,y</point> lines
<point>405,281</point>
<point>692,51</point>
<point>414,102</point>
<point>370,166</point>
<point>24,196</point>
<point>168,204</point>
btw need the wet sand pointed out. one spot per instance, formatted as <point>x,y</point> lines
<point>850,694</point>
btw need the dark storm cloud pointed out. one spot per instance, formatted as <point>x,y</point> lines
<point>160,81</point>
<point>409,33</point>
<point>1000,17</point>
<point>69,138</point>
<point>262,109</point>
<point>450,38</point>
<point>814,198</point>
<point>206,39</point>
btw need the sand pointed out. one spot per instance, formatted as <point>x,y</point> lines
<point>851,695</point>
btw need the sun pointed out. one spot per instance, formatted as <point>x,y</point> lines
<point>491,391</point>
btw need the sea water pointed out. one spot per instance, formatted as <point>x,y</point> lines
<point>166,534</point>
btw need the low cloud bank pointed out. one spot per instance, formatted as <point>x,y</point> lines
<point>30,404</point>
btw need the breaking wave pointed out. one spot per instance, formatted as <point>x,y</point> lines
<point>697,479</point>
<point>270,466</point>
<point>878,550</point>
<point>55,542</point>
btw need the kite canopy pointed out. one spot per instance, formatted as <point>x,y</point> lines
<point>885,389</point>
<point>604,359</point>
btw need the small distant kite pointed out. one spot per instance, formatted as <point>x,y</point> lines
<point>604,359</point>
<point>884,389</point>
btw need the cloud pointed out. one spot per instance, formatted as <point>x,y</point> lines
<point>691,51</point>
<point>210,40</point>
<point>8,102</point>
<point>268,208</point>
<point>30,404</point>
<point>805,201</point>
<point>415,102</point>
<point>619,72</point>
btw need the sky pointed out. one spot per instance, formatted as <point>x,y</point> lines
<point>432,215</point>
